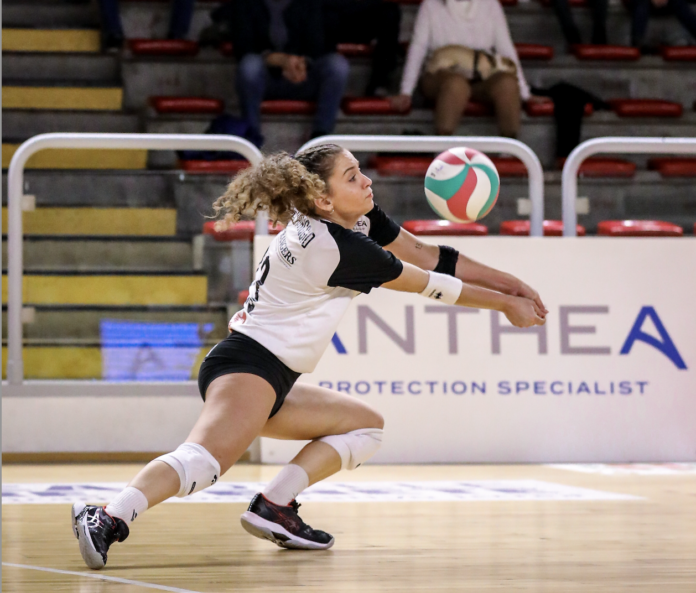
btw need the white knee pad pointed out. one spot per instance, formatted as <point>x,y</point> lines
<point>196,467</point>
<point>355,447</point>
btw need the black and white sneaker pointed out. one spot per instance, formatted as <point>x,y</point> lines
<point>283,526</point>
<point>95,531</point>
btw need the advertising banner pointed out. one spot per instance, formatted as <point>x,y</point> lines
<point>611,377</point>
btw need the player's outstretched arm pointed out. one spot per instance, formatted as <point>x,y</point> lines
<point>409,248</point>
<point>520,311</point>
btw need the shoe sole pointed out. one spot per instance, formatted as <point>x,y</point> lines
<point>263,529</point>
<point>92,558</point>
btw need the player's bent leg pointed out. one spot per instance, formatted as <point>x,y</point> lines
<point>236,408</point>
<point>345,432</point>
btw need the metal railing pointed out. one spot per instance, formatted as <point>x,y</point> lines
<point>15,192</point>
<point>569,183</point>
<point>440,143</point>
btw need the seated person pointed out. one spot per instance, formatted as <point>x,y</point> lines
<point>642,9</point>
<point>112,31</point>
<point>446,29</point>
<point>281,51</point>
<point>570,29</point>
<point>364,21</point>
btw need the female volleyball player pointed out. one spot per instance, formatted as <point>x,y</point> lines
<point>337,244</point>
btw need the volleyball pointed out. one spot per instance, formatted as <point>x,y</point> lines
<point>462,184</point>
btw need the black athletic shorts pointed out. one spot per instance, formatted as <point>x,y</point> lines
<point>238,353</point>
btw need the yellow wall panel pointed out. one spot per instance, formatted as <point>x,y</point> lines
<point>112,290</point>
<point>70,362</point>
<point>54,158</point>
<point>71,98</point>
<point>59,362</point>
<point>98,221</point>
<point>48,40</point>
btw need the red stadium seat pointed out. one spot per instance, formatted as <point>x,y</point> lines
<point>476,109</point>
<point>238,231</point>
<point>355,50</point>
<point>444,227</point>
<point>534,51</point>
<point>219,167</point>
<point>186,105</point>
<point>674,166</point>
<point>604,167</point>
<point>686,53</point>
<point>546,108</point>
<point>417,166</point>
<point>624,53</point>
<point>402,166</point>
<point>646,108</point>
<point>510,166</point>
<point>552,228</point>
<point>638,228</point>
<point>226,48</point>
<point>369,106</point>
<point>288,107</point>
<point>163,47</point>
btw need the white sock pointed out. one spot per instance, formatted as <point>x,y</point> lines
<point>127,505</point>
<point>285,487</point>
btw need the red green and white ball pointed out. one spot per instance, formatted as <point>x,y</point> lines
<point>462,184</point>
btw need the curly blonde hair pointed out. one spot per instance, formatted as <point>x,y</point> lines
<point>280,184</point>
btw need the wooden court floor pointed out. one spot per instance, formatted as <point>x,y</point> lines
<point>644,545</point>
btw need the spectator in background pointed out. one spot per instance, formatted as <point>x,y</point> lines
<point>642,9</point>
<point>112,31</point>
<point>365,21</point>
<point>570,29</point>
<point>447,26</point>
<point>281,51</point>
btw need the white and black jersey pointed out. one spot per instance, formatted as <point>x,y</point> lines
<point>306,280</point>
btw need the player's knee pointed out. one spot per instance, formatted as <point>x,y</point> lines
<point>196,467</point>
<point>355,447</point>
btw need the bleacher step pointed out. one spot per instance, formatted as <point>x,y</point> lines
<point>50,40</point>
<point>116,289</point>
<point>78,68</point>
<point>54,97</point>
<point>49,14</point>
<point>98,221</point>
<point>25,124</point>
<point>78,158</point>
<point>99,253</point>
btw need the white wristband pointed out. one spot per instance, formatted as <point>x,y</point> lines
<point>443,287</point>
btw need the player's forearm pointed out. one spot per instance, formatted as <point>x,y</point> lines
<point>482,298</point>
<point>473,272</point>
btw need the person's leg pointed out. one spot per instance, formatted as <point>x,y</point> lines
<point>599,21</point>
<point>387,17</point>
<point>329,73</point>
<point>567,22</point>
<point>503,91</point>
<point>236,408</point>
<point>111,18</point>
<point>180,18</point>
<point>685,15</point>
<point>640,13</point>
<point>451,92</point>
<point>252,75</point>
<point>344,433</point>
<point>310,413</point>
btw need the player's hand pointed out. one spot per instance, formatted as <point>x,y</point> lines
<point>523,290</point>
<point>523,312</point>
<point>295,69</point>
<point>400,103</point>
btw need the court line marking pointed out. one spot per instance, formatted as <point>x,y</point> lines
<point>102,578</point>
